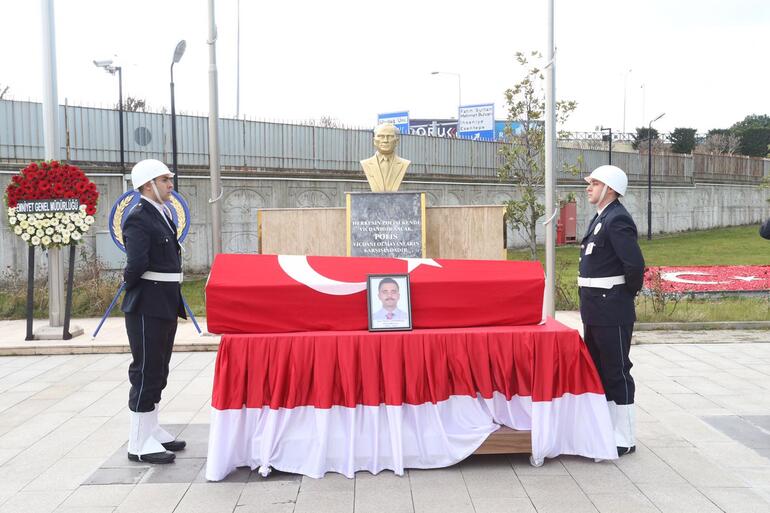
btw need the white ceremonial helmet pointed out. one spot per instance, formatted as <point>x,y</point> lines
<point>146,170</point>
<point>612,176</point>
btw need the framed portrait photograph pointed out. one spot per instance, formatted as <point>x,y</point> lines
<point>389,302</point>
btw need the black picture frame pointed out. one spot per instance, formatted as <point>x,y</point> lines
<point>402,320</point>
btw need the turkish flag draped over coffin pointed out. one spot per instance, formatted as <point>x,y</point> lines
<point>282,293</point>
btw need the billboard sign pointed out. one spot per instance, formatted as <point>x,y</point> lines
<point>400,119</point>
<point>433,127</point>
<point>516,128</point>
<point>477,122</point>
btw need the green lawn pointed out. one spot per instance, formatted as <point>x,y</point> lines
<point>725,246</point>
<point>740,245</point>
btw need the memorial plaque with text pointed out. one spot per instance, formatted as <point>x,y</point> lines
<point>386,224</point>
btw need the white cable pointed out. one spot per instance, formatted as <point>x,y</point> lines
<point>218,197</point>
<point>550,219</point>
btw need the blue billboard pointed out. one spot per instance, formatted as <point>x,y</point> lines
<point>400,119</point>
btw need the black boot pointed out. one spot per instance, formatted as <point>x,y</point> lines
<point>175,445</point>
<point>622,451</point>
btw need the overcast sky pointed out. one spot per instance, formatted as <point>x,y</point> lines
<point>702,62</point>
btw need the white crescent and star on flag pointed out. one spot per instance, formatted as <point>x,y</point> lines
<point>299,269</point>
<point>676,277</point>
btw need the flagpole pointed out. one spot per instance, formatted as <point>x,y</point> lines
<point>216,192</point>
<point>51,145</point>
<point>549,306</point>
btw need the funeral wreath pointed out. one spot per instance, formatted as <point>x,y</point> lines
<point>51,204</point>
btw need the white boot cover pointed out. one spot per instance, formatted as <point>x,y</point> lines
<point>623,423</point>
<point>160,434</point>
<point>140,436</point>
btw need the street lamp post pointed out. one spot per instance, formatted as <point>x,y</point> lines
<point>459,87</point>
<point>625,80</point>
<point>609,138</point>
<point>109,68</point>
<point>178,52</point>
<point>649,176</point>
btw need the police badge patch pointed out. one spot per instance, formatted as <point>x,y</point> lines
<point>180,214</point>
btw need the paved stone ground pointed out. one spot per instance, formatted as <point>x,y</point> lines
<point>703,429</point>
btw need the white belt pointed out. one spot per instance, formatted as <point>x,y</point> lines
<point>154,276</point>
<point>601,283</point>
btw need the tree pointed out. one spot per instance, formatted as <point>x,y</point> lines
<point>131,104</point>
<point>682,140</point>
<point>754,141</point>
<point>523,152</point>
<point>751,121</point>
<point>754,133</point>
<point>642,134</point>
<point>720,140</point>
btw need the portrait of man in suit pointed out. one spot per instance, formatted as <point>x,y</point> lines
<point>385,170</point>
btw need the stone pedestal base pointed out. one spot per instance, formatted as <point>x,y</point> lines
<point>55,332</point>
<point>458,232</point>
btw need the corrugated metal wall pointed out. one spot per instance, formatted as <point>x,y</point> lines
<point>91,135</point>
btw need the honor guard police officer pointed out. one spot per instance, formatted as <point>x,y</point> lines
<point>610,275</point>
<point>152,303</point>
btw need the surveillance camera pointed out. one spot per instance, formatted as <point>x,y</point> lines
<point>102,64</point>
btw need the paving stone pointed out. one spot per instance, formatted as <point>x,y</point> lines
<point>107,476</point>
<point>37,501</point>
<point>761,421</point>
<point>696,468</point>
<point>594,477</point>
<point>332,494</point>
<point>65,474</point>
<point>183,470</point>
<point>269,496</point>
<point>97,496</point>
<point>490,476</point>
<point>210,498</point>
<point>108,509</point>
<point>734,455</point>
<point>383,492</point>
<point>629,502</point>
<point>522,466</point>
<point>680,498</point>
<point>556,494</point>
<point>503,505</point>
<point>644,466</point>
<point>737,500</point>
<point>239,475</point>
<point>439,490</point>
<point>742,430</point>
<point>153,498</point>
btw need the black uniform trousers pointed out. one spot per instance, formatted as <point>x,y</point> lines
<point>151,340</point>
<point>609,347</point>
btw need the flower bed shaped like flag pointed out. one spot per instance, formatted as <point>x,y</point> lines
<point>719,278</point>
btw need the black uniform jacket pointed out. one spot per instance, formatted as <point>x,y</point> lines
<point>151,246</point>
<point>614,252</point>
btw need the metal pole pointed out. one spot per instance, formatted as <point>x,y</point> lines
<point>459,92</point>
<point>550,181</point>
<point>66,335</point>
<point>649,176</point>
<point>649,181</point>
<point>238,64</point>
<point>173,133</point>
<point>625,81</point>
<point>51,138</point>
<point>216,194</point>
<point>30,292</point>
<point>120,119</point>
<point>610,159</point>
